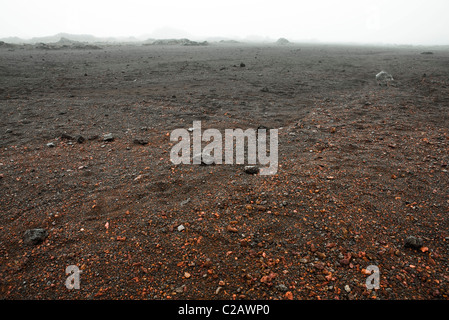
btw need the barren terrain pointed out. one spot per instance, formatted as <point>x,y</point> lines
<point>361,168</point>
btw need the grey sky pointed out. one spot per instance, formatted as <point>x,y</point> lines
<point>382,21</point>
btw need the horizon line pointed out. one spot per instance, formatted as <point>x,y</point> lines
<point>247,39</point>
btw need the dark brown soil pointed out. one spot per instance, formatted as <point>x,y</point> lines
<point>362,167</point>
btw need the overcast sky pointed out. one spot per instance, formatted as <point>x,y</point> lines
<point>381,21</point>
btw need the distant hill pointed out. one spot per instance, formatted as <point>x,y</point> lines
<point>7,45</point>
<point>229,41</point>
<point>86,38</point>
<point>282,42</point>
<point>182,42</point>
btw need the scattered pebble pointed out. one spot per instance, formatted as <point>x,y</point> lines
<point>183,203</point>
<point>34,236</point>
<point>140,141</point>
<point>413,242</point>
<point>180,289</point>
<point>93,137</point>
<point>66,136</point>
<point>251,169</point>
<point>204,159</point>
<point>108,137</point>
<point>282,287</point>
<point>321,255</point>
<point>384,78</point>
<point>289,295</point>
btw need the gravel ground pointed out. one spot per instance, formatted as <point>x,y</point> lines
<point>362,167</point>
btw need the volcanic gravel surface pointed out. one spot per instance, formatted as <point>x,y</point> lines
<point>362,168</point>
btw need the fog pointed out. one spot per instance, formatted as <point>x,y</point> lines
<point>380,22</point>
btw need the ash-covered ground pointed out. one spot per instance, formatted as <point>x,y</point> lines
<point>362,167</point>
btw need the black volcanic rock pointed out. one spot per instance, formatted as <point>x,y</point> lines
<point>34,236</point>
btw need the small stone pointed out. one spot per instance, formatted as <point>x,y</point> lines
<point>181,228</point>
<point>139,177</point>
<point>347,288</point>
<point>34,236</point>
<point>140,141</point>
<point>50,145</point>
<point>66,136</point>
<point>251,169</point>
<point>80,139</point>
<point>319,265</point>
<point>282,287</point>
<point>180,289</point>
<point>413,242</point>
<point>231,229</point>
<point>183,203</point>
<point>93,137</point>
<point>187,275</point>
<point>321,255</point>
<point>384,78</point>
<point>108,137</point>
<point>203,159</point>
<point>289,295</point>
<point>242,65</point>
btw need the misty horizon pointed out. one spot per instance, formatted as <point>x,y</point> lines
<point>364,22</point>
<point>155,36</point>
